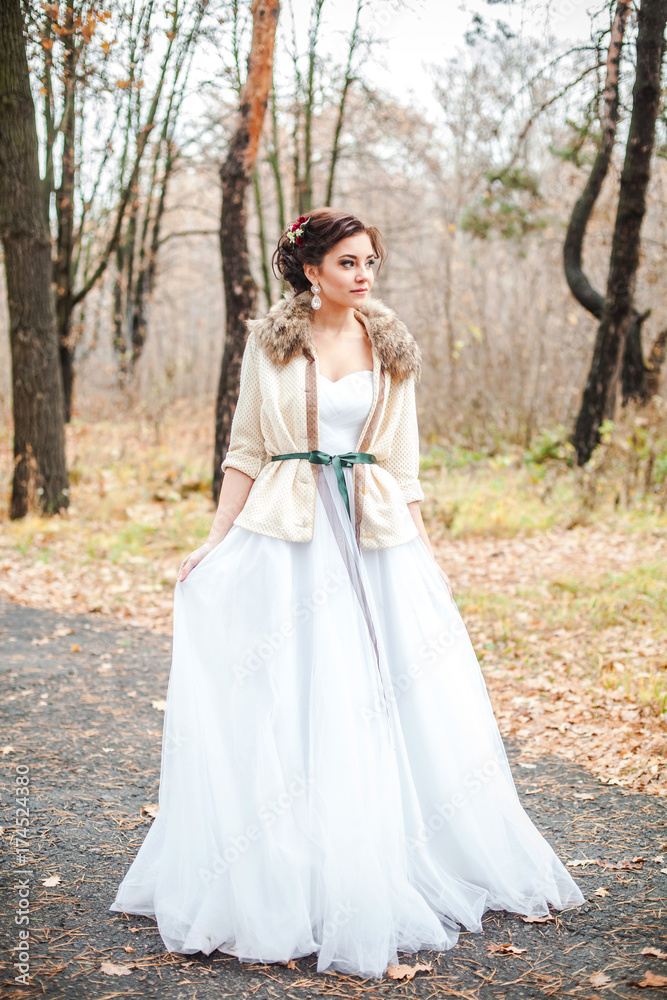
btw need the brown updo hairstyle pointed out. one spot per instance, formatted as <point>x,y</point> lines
<point>326,227</point>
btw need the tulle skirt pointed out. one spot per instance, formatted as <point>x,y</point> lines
<point>333,780</point>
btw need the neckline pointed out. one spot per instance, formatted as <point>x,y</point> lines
<point>361,371</point>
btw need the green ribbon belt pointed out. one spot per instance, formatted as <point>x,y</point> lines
<point>338,461</point>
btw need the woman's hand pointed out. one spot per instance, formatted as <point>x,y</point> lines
<point>194,559</point>
<point>233,495</point>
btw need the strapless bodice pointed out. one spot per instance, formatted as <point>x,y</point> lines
<point>344,407</point>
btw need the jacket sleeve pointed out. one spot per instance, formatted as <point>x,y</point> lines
<point>403,460</point>
<point>246,450</point>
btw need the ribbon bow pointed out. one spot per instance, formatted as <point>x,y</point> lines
<point>338,461</point>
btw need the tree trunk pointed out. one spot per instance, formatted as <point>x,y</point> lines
<point>236,174</point>
<point>579,284</point>
<point>637,376</point>
<point>274,160</point>
<point>263,256</point>
<point>148,261</point>
<point>600,393</point>
<point>654,363</point>
<point>63,270</point>
<point>40,473</point>
<point>633,370</point>
<point>306,188</point>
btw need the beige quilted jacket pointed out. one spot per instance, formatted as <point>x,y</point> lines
<point>277,413</point>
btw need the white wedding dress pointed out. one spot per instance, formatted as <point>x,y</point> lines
<point>333,779</point>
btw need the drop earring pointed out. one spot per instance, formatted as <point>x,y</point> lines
<point>316,301</point>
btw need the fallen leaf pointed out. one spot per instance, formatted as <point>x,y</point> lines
<point>537,920</point>
<point>510,948</point>
<point>75,648</point>
<point>51,881</point>
<point>159,704</point>
<point>584,796</point>
<point>151,809</point>
<point>407,971</point>
<point>7,749</point>
<point>598,979</point>
<point>602,891</point>
<point>109,969</point>
<point>655,952</point>
<point>650,979</point>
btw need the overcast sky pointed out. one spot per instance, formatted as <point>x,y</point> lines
<point>431,31</point>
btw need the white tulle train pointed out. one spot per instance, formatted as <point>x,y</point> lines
<point>333,779</point>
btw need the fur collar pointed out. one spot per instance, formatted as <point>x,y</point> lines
<point>286,330</point>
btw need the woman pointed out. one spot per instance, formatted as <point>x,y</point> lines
<point>333,779</point>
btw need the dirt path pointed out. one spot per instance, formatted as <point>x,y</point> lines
<point>79,695</point>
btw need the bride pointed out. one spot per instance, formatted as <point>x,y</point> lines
<point>333,780</point>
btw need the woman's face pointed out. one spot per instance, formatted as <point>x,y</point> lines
<point>345,275</point>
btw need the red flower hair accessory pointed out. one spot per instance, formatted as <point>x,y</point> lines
<point>295,232</point>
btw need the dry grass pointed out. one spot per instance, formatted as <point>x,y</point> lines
<point>140,501</point>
